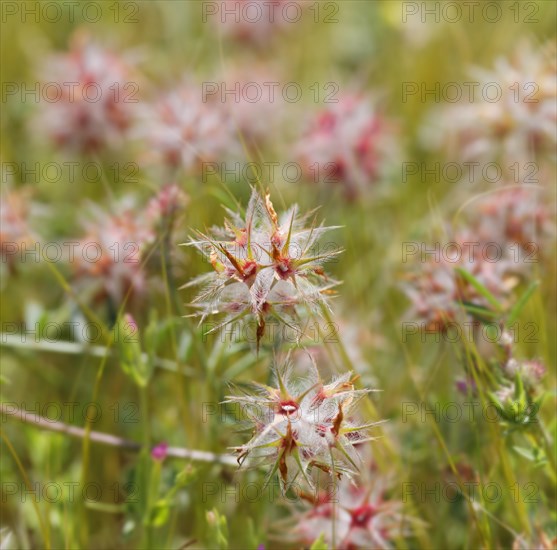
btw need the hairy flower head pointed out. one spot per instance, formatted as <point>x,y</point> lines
<point>361,515</point>
<point>301,424</point>
<point>265,265</point>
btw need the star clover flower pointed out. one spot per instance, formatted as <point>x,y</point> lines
<point>363,517</point>
<point>506,234</point>
<point>264,266</point>
<point>437,292</point>
<point>302,424</point>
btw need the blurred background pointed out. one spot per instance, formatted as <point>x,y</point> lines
<point>129,125</point>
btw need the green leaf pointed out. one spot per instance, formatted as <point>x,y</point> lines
<point>481,313</point>
<point>496,402</point>
<point>132,360</point>
<point>469,278</point>
<point>521,302</point>
<point>160,513</point>
<point>218,530</point>
<point>319,544</point>
<point>526,453</point>
<point>187,475</point>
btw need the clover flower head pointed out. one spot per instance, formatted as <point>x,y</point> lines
<point>519,218</point>
<point>361,514</point>
<point>513,114</point>
<point>165,205</point>
<point>348,143</point>
<point>110,254</point>
<point>531,371</point>
<point>257,110</point>
<point>93,98</point>
<point>184,131</point>
<point>302,425</point>
<point>265,266</point>
<point>437,292</point>
<point>506,232</point>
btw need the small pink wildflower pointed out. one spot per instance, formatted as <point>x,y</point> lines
<point>110,255</point>
<point>519,219</point>
<point>531,371</point>
<point>347,143</point>
<point>183,130</point>
<point>166,204</point>
<point>95,112</point>
<point>513,114</point>
<point>159,452</point>
<point>507,232</point>
<point>437,292</point>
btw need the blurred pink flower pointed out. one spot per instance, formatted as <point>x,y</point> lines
<point>532,370</point>
<point>519,217</point>
<point>513,113</point>
<point>505,235</point>
<point>111,254</point>
<point>184,130</point>
<point>437,292</point>
<point>254,99</point>
<point>159,452</point>
<point>348,143</point>
<point>166,204</point>
<point>91,94</point>
<point>362,516</point>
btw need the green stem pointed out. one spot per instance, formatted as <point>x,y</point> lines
<point>144,398</point>
<point>548,447</point>
<point>172,304</point>
<point>146,433</point>
<point>349,366</point>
